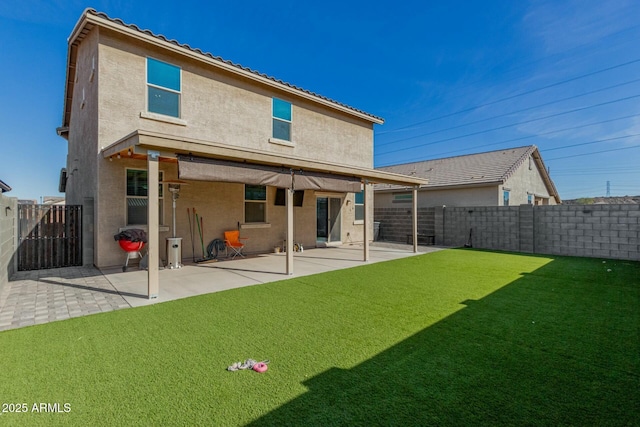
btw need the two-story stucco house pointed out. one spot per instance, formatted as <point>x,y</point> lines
<point>512,176</point>
<point>272,159</point>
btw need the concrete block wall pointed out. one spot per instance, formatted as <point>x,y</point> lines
<point>396,223</point>
<point>493,227</point>
<point>8,239</point>
<point>602,231</point>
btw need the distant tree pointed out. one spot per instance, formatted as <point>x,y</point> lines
<point>584,201</point>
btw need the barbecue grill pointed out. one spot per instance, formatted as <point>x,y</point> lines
<point>131,241</point>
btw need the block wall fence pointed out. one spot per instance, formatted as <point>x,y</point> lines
<point>601,231</point>
<point>8,241</point>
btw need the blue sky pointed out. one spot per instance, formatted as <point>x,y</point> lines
<point>449,78</point>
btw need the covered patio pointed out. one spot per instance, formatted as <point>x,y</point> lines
<point>204,160</point>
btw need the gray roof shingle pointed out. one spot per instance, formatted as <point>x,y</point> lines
<point>482,168</point>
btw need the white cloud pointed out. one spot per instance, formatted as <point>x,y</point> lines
<point>563,25</point>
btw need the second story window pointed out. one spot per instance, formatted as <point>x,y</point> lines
<point>281,112</point>
<point>163,88</point>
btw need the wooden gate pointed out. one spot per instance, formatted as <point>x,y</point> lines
<point>50,236</point>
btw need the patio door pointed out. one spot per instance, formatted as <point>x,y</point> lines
<point>328,219</point>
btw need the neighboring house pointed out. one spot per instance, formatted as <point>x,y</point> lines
<point>4,188</point>
<point>141,111</point>
<point>511,176</point>
<point>53,200</point>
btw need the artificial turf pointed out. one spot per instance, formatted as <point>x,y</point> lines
<point>457,337</point>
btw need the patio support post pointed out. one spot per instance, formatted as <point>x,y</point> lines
<point>153,220</point>
<point>366,221</point>
<point>414,218</point>
<point>289,248</point>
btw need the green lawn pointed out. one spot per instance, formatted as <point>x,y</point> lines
<point>457,337</point>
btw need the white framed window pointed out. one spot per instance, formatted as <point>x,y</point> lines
<point>255,204</point>
<point>359,206</point>
<point>505,198</point>
<point>529,199</point>
<point>164,88</point>
<point>281,118</point>
<point>137,196</point>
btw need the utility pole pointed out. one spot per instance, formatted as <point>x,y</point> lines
<point>608,188</point>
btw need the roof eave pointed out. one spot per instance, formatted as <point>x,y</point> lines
<point>4,188</point>
<point>430,187</point>
<point>551,187</point>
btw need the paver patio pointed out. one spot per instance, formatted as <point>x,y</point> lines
<point>41,296</point>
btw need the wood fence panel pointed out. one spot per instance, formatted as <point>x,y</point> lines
<point>49,236</point>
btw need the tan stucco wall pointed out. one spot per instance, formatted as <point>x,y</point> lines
<point>8,239</point>
<point>220,107</point>
<point>217,107</point>
<point>221,205</point>
<point>83,148</point>
<point>477,196</point>
<point>525,180</point>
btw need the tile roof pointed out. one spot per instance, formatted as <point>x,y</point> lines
<point>4,187</point>
<point>482,168</point>
<point>210,56</point>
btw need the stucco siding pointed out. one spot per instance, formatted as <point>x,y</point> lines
<point>476,196</point>
<point>216,106</point>
<point>83,146</point>
<point>8,240</point>
<point>221,205</point>
<point>526,180</point>
<point>219,107</point>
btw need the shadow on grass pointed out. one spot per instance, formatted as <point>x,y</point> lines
<point>559,346</point>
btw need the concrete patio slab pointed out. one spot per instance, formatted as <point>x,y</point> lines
<point>198,279</point>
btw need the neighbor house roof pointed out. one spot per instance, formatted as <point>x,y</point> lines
<point>492,167</point>
<point>91,18</point>
<point>4,187</point>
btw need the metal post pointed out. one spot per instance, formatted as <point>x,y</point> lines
<point>414,218</point>
<point>153,221</point>
<point>366,221</point>
<point>289,248</point>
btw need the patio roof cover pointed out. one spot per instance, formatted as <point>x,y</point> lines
<point>208,169</point>
<point>304,180</point>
